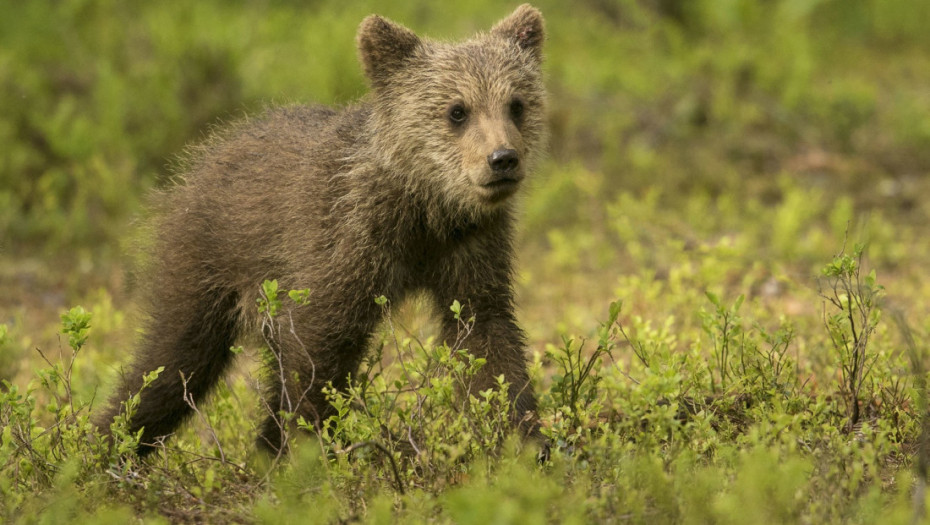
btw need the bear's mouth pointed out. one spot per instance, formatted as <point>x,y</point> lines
<point>500,189</point>
<point>504,182</point>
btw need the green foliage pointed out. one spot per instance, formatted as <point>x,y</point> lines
<point>300,297</point>
<point>659,434</point>
<point>423,406</point>
<point>7,352</point>
<point>47,446</point>
<point>855,316</point>
<point>269,303</point>
<point>724,89</point>
<point>723,326</point>
<point>75,324</point>
<point>707,158</point>
<point>574,387</point>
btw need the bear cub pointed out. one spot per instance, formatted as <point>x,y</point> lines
<point>409,190</point>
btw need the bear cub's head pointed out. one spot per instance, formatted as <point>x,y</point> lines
<point>463,121</point>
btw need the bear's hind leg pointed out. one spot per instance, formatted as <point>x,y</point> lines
<point>190,336</point>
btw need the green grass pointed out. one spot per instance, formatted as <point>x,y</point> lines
<point>721,270</point>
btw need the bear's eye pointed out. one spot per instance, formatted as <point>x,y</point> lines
<point>457,114</point>
<point>516,110</point>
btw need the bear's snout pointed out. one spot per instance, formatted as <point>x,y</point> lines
<point>503,161</point>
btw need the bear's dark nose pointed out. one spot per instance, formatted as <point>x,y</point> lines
<point>503,160</point>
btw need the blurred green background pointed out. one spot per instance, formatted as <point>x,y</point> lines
<point>712,96</point>
<point>767,128</point>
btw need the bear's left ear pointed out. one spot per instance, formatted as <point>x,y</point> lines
<point>383,46</point>
<point>525,27</point>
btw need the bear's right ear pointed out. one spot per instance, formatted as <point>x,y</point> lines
<point>383,47</point>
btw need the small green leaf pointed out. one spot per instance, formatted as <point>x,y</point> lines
<point>300,297</point>
<point>270,288</point>
<point>615,307</point>
<point>269,301</point>
<point>739,302</point>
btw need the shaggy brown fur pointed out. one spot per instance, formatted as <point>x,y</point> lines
<point>408,190</point>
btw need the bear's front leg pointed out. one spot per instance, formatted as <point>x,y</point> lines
<point>495,337</point>
<point>479,278</point>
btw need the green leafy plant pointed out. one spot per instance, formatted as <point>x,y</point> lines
<point>850,322</point>
<point>727,335</point>
<point>577,380</point>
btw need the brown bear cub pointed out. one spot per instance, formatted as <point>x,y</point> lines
<point>409,190</point>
